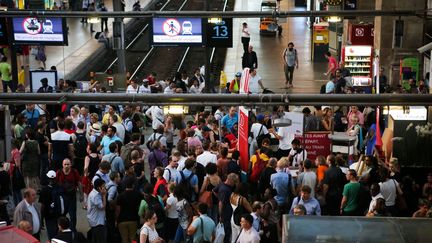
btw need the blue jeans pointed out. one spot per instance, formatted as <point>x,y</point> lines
<point>180,235</point>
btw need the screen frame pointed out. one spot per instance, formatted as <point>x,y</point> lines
<point>45,43</point>
<point>157,44</point>
<point>35,83</point>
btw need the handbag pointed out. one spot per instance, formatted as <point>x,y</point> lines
<point>206,197</point>
<point>219,233</point>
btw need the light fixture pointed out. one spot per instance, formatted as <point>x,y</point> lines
<point>334,19</point>
<point>94,20</point>
<point>176,109</point>
<point>215,21</point>
<point>282,122</point>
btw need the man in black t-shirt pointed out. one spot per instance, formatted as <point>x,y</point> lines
<point>128,203</point>
<point>223,192</point>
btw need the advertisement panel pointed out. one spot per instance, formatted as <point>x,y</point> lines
<point>243,145</point>
<point>3,32</point>
<point>177,31</point>
<point>316,143</point>
<point>44,31</point>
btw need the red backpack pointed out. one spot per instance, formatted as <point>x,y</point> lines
<point>257,168</point>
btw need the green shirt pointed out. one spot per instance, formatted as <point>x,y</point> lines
<point>351,191</point>
<point>5,69</point>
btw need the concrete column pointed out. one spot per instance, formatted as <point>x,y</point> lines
<point>118,38</point>
<point>384,35</point>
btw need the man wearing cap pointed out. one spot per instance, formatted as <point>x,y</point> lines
<point>235,84</point>
<point>45,88</point>
<point>52,202</point>
<point>144,88</point>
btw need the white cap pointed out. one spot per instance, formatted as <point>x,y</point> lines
<point>51,174</point>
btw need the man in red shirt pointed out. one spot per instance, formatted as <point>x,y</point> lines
<point>69,179</point>
<point>332,65</point>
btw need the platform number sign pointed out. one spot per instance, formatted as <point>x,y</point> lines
<point>219,32</point>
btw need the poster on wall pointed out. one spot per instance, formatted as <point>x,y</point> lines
<point>243,135</point>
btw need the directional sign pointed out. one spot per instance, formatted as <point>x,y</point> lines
<point>219,32</point>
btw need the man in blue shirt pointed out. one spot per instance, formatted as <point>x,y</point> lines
<point>109,138</point>
<point>202,227</point>
<point>310,203</point>
<point>230,119</point>
<point>96,211</point>
<point>32,115</point>
<point>187,172</point>
<point>282,182</point>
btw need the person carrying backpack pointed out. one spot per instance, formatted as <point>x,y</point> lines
<point>80,142</point>
<point>154,203</point>
<point>188,181</point>
<point>290,62</point>
<point>240,206</point>
<point>126,150</point>
<point>52,201</point>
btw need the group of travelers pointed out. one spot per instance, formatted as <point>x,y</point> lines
<point>185,182</point>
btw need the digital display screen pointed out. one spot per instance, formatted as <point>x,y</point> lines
<point>46,31</point>
<point>3,32</point>
<point>219,32</point>
<point>174,31</point>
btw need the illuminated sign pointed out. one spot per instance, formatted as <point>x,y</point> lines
<point>46,31</point>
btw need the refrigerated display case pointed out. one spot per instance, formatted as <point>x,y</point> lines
<point>358,60</point>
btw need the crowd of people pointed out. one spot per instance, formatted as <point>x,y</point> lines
<point>184,182</point>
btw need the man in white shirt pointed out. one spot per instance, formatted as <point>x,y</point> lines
<point>297,154</point>
<point>120,129</point>
<point>375,194</point>
<point>155,113</point>
<point>248,234</point>
<point>170,89</point>
<point>206,157</point>
<point>219,113</point>
<point>257,128</point>
<point>29,210</point>
<point>170,171</point>
<point>144,88</point>
<point>255,82</point>
<point>132,87</point>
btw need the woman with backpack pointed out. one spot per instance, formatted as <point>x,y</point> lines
<point>91,166</point>
<point>240,206</point>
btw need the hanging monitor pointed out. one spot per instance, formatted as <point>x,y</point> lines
<point>39,30</point>
<point>177,31</point>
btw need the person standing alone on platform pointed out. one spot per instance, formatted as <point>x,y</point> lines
<point>291,61</point>
<point>245,37</point>
<point>249,59</point>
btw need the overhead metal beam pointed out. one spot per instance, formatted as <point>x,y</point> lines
<point>216,99</point>
<point>207,14</point>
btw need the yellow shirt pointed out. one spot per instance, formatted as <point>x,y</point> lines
<point>105,118</point>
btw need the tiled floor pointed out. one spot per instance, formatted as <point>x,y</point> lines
<point>307,78</point>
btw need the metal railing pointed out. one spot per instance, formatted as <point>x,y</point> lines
<point>207,14</point>
<point>217,99</point>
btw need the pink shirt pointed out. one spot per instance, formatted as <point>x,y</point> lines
<point>360,118</point>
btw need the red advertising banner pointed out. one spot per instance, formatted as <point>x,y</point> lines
<point>243,134</point>
<point>316,143</point>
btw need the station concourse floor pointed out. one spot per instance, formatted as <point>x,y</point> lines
<point>308,78</point>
